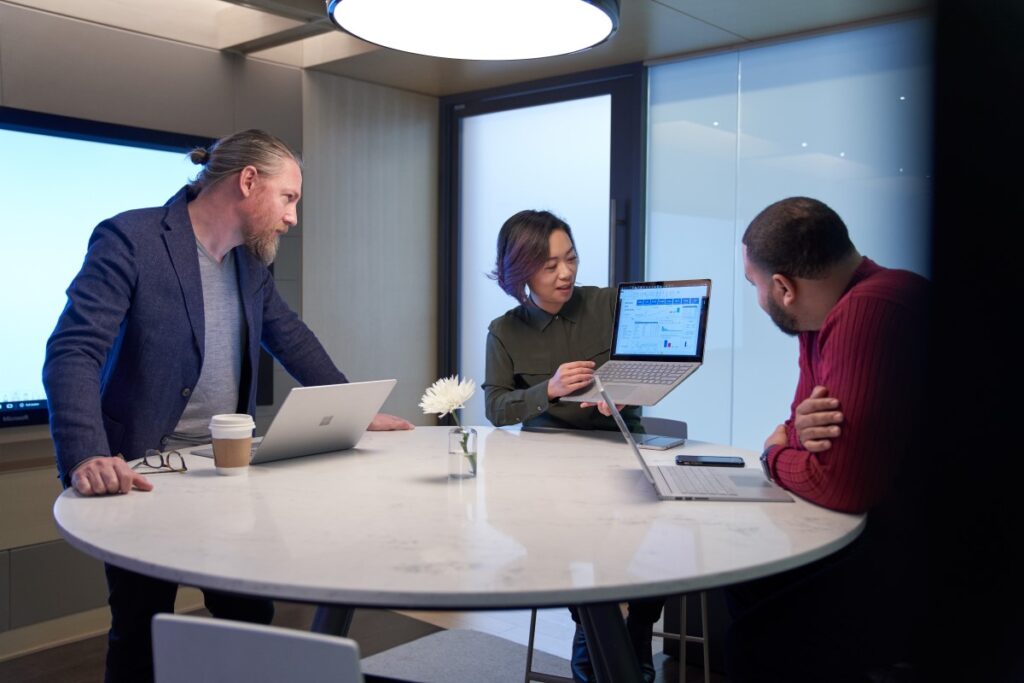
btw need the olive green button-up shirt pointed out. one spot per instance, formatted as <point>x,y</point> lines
<point>524,349</point>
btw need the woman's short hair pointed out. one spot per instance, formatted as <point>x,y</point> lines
<point>523,248</point>
<point>797,237</point>
<point>231,154</point>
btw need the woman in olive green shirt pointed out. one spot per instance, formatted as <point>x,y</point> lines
<point>548,347</point>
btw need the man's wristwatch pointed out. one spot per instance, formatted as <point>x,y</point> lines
<point>764,464</point>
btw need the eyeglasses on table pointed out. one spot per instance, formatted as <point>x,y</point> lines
<point>155,462</point>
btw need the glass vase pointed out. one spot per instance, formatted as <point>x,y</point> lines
<point>461,453</point>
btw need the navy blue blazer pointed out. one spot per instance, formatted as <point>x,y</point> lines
<point>128,348</point>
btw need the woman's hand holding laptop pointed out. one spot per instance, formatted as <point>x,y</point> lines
<point>603,408</point>
<point>570,377</point>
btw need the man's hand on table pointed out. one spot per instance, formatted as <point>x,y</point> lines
<point>105,475</point>
<point>383,422</point>
<point>817,420</point>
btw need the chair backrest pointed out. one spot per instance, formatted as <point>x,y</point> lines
<point>664,426</point>
<point>200,650</point>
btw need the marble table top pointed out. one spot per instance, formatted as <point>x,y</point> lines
<point>551,519</point>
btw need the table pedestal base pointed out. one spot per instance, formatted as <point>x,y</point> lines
<point>332,620</point>
<point>611,651</point>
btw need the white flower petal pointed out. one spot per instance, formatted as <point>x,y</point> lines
<point>446,395</point>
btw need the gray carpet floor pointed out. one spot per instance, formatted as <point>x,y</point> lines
<point>461,656</point>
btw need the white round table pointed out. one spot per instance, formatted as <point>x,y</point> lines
<point>551,519</point>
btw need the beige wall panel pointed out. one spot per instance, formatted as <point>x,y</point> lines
<point>288,264</point>
<point>370,241</point>
<point>290,292</point>
<point>60,66</point>
<point>25,447</point>
<point>53,580</point>
<point>5,590</point>
<point>269,97</point>
<point>26,506</point>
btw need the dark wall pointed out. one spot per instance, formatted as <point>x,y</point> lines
<point>975,623</point>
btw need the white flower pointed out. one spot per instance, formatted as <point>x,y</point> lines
<point>447,395</point>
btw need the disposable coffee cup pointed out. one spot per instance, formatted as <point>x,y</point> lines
<point>232,442</point>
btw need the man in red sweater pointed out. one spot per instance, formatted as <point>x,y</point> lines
<point>848,445</point>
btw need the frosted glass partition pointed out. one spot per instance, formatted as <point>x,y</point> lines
<point>553,157</point>
<point>691,220</point>
<point>844,118</point>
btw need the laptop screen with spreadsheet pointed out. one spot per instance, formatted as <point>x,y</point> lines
<point>661,321</point>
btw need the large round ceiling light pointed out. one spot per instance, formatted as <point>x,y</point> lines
<point>479,29</point>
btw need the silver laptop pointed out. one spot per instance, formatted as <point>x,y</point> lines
<point>700,483</point>
<point>319,419</point>
<point>658,341</point>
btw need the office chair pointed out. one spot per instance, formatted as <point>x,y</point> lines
<point>682,637</point>
<point>664,426</point>
<point>204,650</point>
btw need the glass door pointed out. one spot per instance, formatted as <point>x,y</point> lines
<point>552,150</point>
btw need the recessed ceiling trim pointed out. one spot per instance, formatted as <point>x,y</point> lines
<point>281,9</point>
<point>307,30</point>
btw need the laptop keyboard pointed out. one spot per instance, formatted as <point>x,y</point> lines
<point>695,480</point>
<point>644,372</point>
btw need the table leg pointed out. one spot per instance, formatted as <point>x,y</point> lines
<point>608,643</point>
<point>332,620</point>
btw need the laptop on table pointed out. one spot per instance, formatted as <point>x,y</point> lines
<point>673,482</point>
<point>657,342</point>
<point>318,419</point>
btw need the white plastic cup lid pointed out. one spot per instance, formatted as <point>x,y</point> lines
<point>231,426</point>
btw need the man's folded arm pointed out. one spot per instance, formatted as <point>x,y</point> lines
<point>878,384</point>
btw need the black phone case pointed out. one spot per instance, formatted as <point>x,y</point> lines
<point>681,461</point>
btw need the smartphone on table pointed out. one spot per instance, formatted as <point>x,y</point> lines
<point>710,460</point>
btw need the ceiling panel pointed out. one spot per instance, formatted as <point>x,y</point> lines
<point>329,47</point>
<point>282,32</point>
<point>207,23</point>
<point>768,18</point>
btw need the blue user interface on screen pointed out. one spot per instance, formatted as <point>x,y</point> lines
<point>660,321</point>
<point>56,190</point>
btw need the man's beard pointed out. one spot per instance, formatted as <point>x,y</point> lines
<point>263,246</point>
<point>782,320</point>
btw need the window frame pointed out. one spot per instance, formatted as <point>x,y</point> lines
<point>627,86</point>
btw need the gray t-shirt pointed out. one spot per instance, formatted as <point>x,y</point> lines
<point>217,389</point>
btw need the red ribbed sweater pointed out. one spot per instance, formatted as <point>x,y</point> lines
<point>870,353</point>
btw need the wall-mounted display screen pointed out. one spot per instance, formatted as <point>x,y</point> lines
<point>60,177</point>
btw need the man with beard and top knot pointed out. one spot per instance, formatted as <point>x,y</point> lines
<point>162,330</point>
